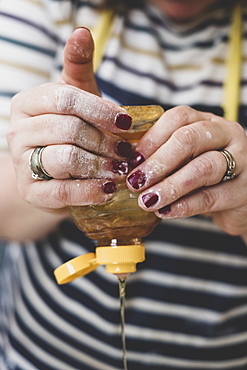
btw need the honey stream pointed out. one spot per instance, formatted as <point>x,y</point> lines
<point>122,287</point>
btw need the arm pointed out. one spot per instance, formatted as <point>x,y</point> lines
<point>183,172</point>
<point>19,220</point>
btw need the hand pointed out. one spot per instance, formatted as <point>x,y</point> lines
<point>182,174</point>
<point>78,129</point>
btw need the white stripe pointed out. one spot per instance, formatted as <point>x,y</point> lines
<point>154,359</point>
<point>196,341</point>
<point>203,223</point>
<point>183,311</point>
<point>141,304</point>
<point>12,357</point>
<point>69,305</point>
<point>185,282</point>
<point>85,285</point>
<point>176,250</point>
<point>54,341</point>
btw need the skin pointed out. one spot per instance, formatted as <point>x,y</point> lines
<point>187,143</point>
<point>74,149</point>
<point>186,184</point>
<point>182,10</point>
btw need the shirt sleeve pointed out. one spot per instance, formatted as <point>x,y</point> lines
<point>28,46</point>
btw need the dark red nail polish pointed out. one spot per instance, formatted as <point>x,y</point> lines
<point>150,199</point>
<point>136,159</point>
<point>109,187</point>
<point>124,149</point>
<point>137,179</point>
<point>120,167</point>
<point>123,121</point>
<point>165,210</point>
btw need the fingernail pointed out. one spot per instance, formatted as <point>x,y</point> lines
<point>165,210</point>
<point>109,187</point>
<point>136,159</point>
<point>123,121</point>
<point>137,179</point>
<point>82,28</point>
<point>124,149</point>
<point>120,167</point>
<point>150,199</point>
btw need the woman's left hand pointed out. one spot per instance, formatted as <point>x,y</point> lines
<point>184,167</point>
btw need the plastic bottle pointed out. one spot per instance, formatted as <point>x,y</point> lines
<point>117,225</point>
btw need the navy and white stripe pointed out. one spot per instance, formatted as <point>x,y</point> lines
<point>186,306</point>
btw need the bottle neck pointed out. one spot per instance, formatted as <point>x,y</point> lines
<point>120,256</point>
<point>105,242</point>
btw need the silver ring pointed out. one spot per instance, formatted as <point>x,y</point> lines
<point>36,165</point>
<point>231,165</point>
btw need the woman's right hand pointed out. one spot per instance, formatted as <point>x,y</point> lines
<point>83,153</point>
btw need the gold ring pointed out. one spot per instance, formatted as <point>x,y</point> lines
<point>36,165</point>
<point>231,165</point>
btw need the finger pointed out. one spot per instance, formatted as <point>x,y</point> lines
<point>185,143</point>
<point>70,130</point>
<point>207,200</point>
<point>69,161</point>
<point>78,65</point>
<point>68,100</point>
<point>206,170</point>
<point>169,122</point>
<point>57,194</point>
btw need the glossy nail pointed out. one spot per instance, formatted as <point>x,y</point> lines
<point>123,121</point>
<point>137,179</point>
<point>109,187</point>
<point>150,199</point>
<point>165,210</point>
<point>120,167</point>
<point>124,149</point>
<point>136,159</point>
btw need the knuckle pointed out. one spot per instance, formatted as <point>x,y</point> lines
<point>68,157</point>
<point>10,134</point>
<point>65,99</point>
<point>186,136</point>
<point>203,167</point>
<point>100,141</point>
<point>175,189</point>
<point>61,193</point>
<point>16,99</point>
<point>72,129</point>
<point>179,114</point>
<point>208,199</point>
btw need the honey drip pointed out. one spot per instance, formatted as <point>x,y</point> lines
<point>122,287</point>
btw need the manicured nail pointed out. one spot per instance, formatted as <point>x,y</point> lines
<point>124,149</point>
<point>136,159</point>
<point>150,199</point>
<point>137,179</point>
<point>121,167</point>
<point>165,210</point>
<point>123,121</point>
<point>109,187</point>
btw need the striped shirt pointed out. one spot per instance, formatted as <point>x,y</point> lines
<point>186,306</point>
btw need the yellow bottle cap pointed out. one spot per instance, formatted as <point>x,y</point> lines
<point>77,267</point>
<point>118,260</point>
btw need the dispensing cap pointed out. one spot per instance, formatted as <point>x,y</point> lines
<point>118,260</point>
<point>77,267</point>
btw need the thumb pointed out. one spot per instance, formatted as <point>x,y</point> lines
<point>78,61</point>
